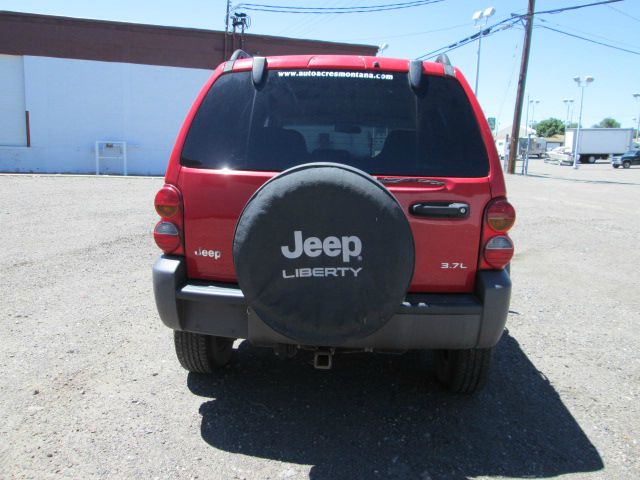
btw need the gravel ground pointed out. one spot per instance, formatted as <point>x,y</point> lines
<point>91,387</point>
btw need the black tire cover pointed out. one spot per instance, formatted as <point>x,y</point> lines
<point>355,265</point>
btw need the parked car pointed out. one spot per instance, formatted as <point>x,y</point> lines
<point>561,155</point>
<point>327,203</point>
<point>632,157</point>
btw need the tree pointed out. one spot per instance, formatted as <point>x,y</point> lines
<point>607,123</point>
<point>549,127</point>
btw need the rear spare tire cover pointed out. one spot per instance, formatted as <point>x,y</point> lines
<point>323,254</point>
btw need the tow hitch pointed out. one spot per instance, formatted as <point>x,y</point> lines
<point>323,359</point>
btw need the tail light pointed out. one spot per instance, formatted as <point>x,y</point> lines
<point>501,215</point>
<point>168,231</point>
<point>498,251</point>
<point>497,246</point>
<point>167,201</point>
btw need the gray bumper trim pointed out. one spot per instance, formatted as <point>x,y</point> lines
<point>421,321</point>
<point>212,293</point>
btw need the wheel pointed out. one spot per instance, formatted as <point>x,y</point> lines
<point>616,166</point>
<point>463,371</point>
<point>592,159</point>
<point>626,164</point>
<point>202,353</point>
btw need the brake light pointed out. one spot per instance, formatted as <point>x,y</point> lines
<point>501,215</point>
<point>168,234</point>
<point>498,251</point>
<point>167,201</point>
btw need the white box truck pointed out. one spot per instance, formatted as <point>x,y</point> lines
<point>599,143</point>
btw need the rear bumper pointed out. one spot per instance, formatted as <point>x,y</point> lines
<point>422,321</point>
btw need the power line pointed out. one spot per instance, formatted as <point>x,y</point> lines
<point>489,31</point>
<point>508,89</point>
<point>307,21</point>
<point>576,7</point>
<point>589,40</point>
<point>264,7</point>
<point>589,33</point>
<point>334,10</point>
<point>624,13</point>
<point>414,34</point>
<point>290,7</point>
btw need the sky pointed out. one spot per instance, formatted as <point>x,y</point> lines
<point>555,58</point>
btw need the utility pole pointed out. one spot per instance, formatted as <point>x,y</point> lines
<point>522,82</point>
<point>226,32</point>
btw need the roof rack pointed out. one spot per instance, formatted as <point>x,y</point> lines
<point>446,63</point>
<point>235,56</point>
<point>443,58</point>
<point>239,53</point>
<point>258,69</point>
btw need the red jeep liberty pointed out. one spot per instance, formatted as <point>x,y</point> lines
<point>335,203</point>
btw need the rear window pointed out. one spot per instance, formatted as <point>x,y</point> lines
<point>372,121</point>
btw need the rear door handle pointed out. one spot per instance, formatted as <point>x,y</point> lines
<point>440,209</point>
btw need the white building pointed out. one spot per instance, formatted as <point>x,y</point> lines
<point>67,83</point>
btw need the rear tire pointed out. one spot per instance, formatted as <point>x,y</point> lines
<point>202,353</point>
<point>592,159</point>
<point>463,371</point>
<point>626,164</point>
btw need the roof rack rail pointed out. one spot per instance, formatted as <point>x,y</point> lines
<point>446,63</point>
<point>443,58</point>
<point>239,53</point>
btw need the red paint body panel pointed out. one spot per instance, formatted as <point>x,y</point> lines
<point>214,199</point>
<point>213,202</point>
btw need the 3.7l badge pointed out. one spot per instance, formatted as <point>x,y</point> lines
<point>453,266</point>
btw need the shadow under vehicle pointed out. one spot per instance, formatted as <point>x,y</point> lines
<point>367,420</point>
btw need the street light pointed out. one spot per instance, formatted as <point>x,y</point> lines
<point>381,48</point>
<point>533,110</point>
<point>637,97</point>
<point>529,127</point>
<point>480,19</point>
<point>582,83</point>
<point>569,103</point>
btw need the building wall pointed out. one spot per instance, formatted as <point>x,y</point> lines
<point>13,129</point>
<point>61,37</point>
<point>74,103</point>
<point>76,81</point>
